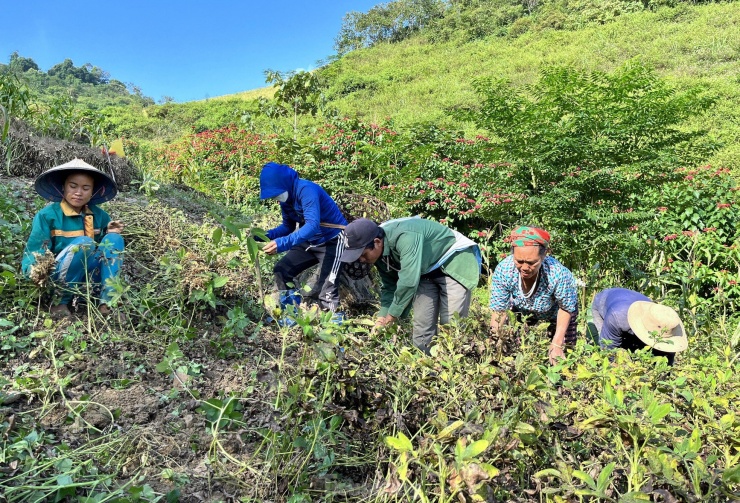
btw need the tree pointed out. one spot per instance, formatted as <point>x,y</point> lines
<point>389,22</point>
<point>587,146</point>
<point>20,64</point>
<point>297,93</point>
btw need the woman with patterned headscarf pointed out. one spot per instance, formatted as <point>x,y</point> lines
<point>536,287</point>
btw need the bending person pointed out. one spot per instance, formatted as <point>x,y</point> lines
<point>311,233</point>
<point>422,264</point>
<point>85,242</point>
<point>536,287</point>
<point>630,320</point>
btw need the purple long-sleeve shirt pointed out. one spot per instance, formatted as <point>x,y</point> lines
<point>609,310</point>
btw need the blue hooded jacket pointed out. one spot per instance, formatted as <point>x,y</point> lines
<point>308,206</point>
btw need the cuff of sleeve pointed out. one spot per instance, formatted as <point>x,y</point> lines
<point>395,310</point>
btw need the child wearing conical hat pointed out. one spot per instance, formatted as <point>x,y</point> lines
<point>85,243</point>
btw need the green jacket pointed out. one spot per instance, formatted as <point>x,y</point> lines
<point>410,248</point>
<point>56,226</point>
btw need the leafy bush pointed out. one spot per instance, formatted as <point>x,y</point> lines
<point>585,147</point>
<point>694,238</point>
<point>223,162</point>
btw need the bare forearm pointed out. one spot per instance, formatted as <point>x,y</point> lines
<point>497,320</point>
<point>561,327</point>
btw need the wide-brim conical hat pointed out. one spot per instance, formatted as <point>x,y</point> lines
<point>50,183</point>
<point>658,326</point>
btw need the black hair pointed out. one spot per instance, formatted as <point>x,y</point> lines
<point>379,235</point>
<point>542,249</point>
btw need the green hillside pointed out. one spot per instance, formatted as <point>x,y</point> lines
<point>612,124</point>
<point>415,80</point>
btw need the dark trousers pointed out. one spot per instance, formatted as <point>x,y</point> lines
<point>301,257</point>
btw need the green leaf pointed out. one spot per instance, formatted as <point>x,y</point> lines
<point>220,281</point>
<point>64,480</point>
<point>163,366</point>
<point>491,470</point>
<point>658,412</point>
<point>216,235</point>
<point>447,431</point>
<point>474,449</point>
<point>695,441</point>
<point>259,233</point>
<point>252,249</point>
<point>228,249</point>
<point>585,477</point>
<point>732,475</point>
<point>173,351</point>
<point>548,472</point>
<point>522,427</point>
<point>400,443</point>
<point>605,478</point>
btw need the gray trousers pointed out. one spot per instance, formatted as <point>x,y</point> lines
<point>437,298</point>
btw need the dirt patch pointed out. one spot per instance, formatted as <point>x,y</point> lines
<point>30,154</point>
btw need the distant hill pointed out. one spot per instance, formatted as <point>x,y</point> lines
<point>417,80</point>
<point>418,66</point>
<point>87,85</point>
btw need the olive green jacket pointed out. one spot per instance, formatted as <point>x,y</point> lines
<point>410,248</point>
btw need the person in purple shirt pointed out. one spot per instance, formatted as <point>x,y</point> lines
<point>627,319</point>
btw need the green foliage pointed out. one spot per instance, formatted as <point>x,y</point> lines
<point>694,240</point>
<point>349,155</point>
<point>86,73</point>
<point>585,147</point>
<point>19,64</point>
<point>87,85</point>
<point>416,81</point>
<point>224,162</point>
<point>387,22</point>
<point>296,94</point>
<point>14,101</point>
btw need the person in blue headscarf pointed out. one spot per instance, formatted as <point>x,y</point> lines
<point>311,234</point>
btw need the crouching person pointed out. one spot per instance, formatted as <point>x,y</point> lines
<point>85,243</point>
<point>422,264</point>
<point>627,319</point>
<point>311,233</point>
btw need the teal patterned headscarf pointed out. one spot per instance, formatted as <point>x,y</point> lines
<point>529,236</point>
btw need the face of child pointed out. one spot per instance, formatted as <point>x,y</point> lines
<point>78,189</point>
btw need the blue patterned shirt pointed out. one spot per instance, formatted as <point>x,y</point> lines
<point>556,289</point>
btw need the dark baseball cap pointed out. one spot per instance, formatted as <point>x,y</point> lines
<point>359,233</point>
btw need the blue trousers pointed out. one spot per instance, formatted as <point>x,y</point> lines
<point>84,261</point>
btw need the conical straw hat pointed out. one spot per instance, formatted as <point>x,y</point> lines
<point>658,326</point>
<point>50,183</point>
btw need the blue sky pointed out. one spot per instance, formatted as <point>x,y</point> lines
<point>185,49</point>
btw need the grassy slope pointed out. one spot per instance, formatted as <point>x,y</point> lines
<point>416,81</point>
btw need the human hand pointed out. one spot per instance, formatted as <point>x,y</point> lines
<point>270,248</point>
<point>115,227</point>
<point>384,321</point>
<point>555,353</point>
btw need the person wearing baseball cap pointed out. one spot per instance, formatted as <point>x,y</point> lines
<point>627,319</point>
<point>422,265</point>
<point>85,242</point>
